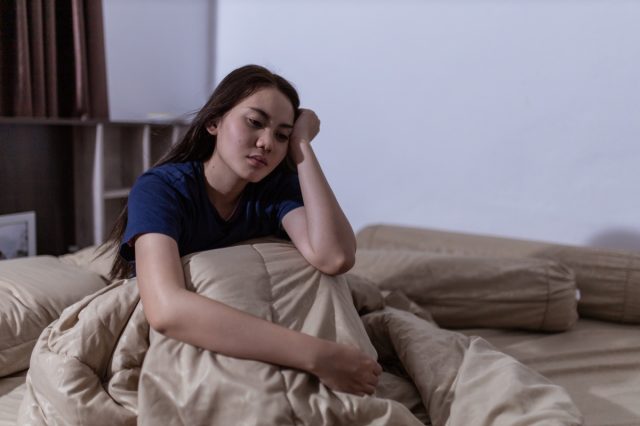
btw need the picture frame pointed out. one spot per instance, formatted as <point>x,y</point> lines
<point>17,235</point>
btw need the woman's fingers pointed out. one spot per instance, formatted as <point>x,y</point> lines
<point>373,380</point>
<point>347,368</point>
<point>307,125</point>
<point>367,390</point>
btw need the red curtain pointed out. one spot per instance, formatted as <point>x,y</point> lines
<point>52,61</point>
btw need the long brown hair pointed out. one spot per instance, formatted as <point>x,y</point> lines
<point>197,144</point>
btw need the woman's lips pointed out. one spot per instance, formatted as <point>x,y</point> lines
<point>257,160</point>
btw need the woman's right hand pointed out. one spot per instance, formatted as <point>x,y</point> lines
<point>346,368</point>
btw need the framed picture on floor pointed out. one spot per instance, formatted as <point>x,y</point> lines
<point>17,235</point>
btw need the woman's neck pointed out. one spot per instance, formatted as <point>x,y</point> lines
<point>223,187</point>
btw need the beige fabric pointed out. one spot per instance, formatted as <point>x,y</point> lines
<point>443,242</point>
<point>366,296</point>
<point>11,392</point>
<point>597,362</point>
<point>609,280</point>
<point>274,282</point>
<point>465,381</point>
<point>400,388</point>
<point>33,292</point>
<point>533,294</point>
<point>86,364</point>
<point>93,259</point>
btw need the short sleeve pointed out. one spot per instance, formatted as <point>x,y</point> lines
<point>154,206</point>
<point>290,196</point>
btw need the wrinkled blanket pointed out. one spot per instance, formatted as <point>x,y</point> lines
<point>101,364</point>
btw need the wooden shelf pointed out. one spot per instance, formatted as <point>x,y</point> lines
<point>116,193</point>
<point>121,152</point>
<point>99,159</point>
<point>42,121</point>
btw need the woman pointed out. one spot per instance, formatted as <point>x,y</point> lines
<point>225,182</point>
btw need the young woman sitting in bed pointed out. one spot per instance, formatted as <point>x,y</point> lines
<point>231,179</point>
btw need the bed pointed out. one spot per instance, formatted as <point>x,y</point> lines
<point>598,358</point>
<point>544,334</point>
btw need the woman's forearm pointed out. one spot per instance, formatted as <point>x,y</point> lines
<point>212,325</point>
<point>320,230</point>
<point>328,229</point>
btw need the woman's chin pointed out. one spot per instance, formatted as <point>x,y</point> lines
<point>256,176</point>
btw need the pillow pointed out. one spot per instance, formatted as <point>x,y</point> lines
<point>443,242</point>
<point>91,258</point>
<point>462,292</point>
<point>608,280</point>
<point>33,293</point>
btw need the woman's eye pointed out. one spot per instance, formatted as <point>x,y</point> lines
<point>282,137</point>
<point>254,123</point>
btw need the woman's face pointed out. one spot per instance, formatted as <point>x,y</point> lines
<point>253,137</point>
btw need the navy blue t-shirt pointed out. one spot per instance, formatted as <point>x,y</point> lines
<point>172,200</point>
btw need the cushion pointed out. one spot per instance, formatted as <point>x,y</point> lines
<point>33,293</point>
<point>462,292</point>
<point>608,280</point>
<point>93,259</point>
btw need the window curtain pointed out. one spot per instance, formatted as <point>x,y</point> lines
<point>52,61</point>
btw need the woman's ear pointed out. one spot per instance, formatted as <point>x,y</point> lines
<point>212,128</point>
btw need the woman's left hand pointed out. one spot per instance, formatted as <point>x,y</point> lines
<point>306,127</point>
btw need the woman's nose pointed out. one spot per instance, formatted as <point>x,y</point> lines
<point>265,141</point>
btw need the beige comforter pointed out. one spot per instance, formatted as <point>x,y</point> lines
<point>87,367</point>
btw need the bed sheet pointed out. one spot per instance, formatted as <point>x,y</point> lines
<point>597,362</point>
<point>12,389</point>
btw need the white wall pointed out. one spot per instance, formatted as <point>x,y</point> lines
<point>513,118</point>
<point>159,57</point>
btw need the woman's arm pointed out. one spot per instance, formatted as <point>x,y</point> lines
<point>319,230</point>
<point>183,315</point>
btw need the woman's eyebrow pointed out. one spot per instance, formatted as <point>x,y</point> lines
<point>268,118</point>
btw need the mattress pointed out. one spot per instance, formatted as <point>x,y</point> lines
<point>11,391</point>
<point>597,362</point>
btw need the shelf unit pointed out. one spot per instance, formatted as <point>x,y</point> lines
<point>76,174</point>
<point>121,152</point>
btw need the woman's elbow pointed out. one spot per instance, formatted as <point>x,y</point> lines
<point>160,317</point>
<point>159,322</point>
<point>337,263</point>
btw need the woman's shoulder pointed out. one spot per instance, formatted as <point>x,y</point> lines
<point>179,179</point>
<point>174,173</point>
